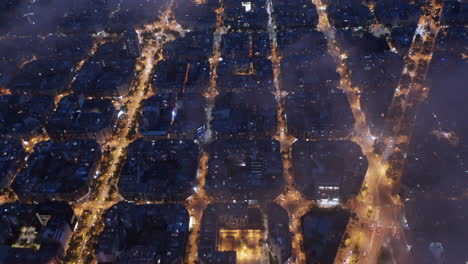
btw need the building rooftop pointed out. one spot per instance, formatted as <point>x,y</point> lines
<point>234,233</point>
<point>436,230</point>
<point>376,92</point>
<point>330,226</point>
<point>295,14</point>
<point>159,170</point>
<point>143,234</point>
<point>319,116</point>
<point>245,45</point>
<point>308,73</point>
<point>35,233</point>
<point>245,75</point>
<point>328,169</point>
<point>107,73</point>
<point>22,116</point>
<point>245,170</point>
<point>245,114</point>
<point>49,77</point>
<point>399,12</point>
<point>190,117</point>
<point>12,157</point>
<point>242,16</point>
<point>455,13</point>
<point>196,16</point>
<point>58,171</point>
<point>79,118</point>
<point>349,13</point>
<point>303,41</point>
<point>181,76</point>
<point>157,115</point>
<point>196,45</point>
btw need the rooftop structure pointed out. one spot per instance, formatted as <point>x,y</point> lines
<point>391,12</point>
<point>189,121</point>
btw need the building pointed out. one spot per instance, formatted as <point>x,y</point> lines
<point>315,115</point>
<point>162,170</point>
<point>107,73</point>
<point>12,157</point>
<point>157,115</point>
<point>330,226</point>
<point>196,45</point>
<point>245,115</point>
<point>329,171</point>
<point>294,14</point>
<point>35,233</point>
<point>245,170</point>
<point>58,171</point>
<point>23,117</point>
<point>245,15</point>
<point>195,16</point>
<point>182,76</point>
<point>82,119</point>
<point>132,43</point>
<point>348,14</point>
<point>144,234</point>
<point>234,233</point>
<point>48,77</point>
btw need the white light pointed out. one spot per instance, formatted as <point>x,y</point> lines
<point>326,203</point>
<point>191,222</point>
<point>247,6</point>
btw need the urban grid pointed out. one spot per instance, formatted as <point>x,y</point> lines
<point>233,131</point>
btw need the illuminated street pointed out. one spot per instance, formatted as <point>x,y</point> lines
<point>291,199</point>
<point>377,208</point>
<point>198,202</point>
<point>93,224</point>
